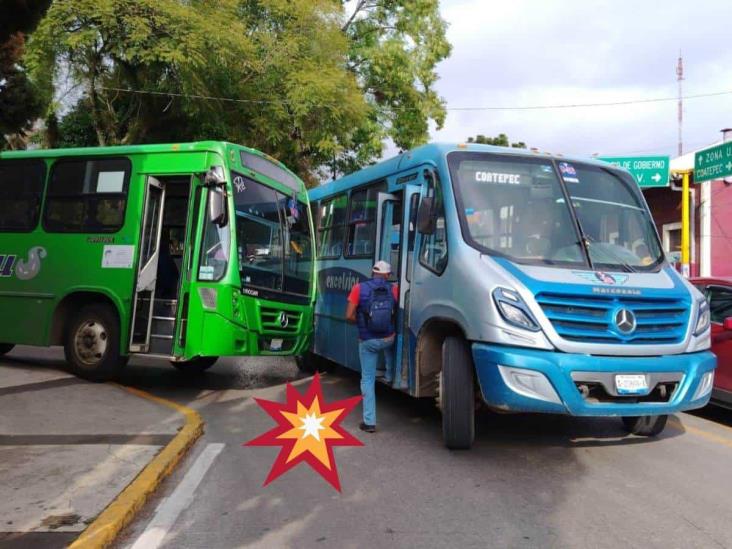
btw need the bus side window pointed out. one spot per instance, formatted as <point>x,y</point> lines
<point>215,248</point>
<point>331,225</point>
<point>21,187</point>
<point>362,221</point>
<point>433,252</point>
<point>412,233</point>
<point>87,196</point>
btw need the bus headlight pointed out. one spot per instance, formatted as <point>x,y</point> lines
<point>514,310</point>
<point>702,317</point>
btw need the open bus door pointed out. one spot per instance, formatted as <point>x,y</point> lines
<point>395,244</point>
<point>152,223</point>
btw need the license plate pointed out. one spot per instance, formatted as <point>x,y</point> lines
<point>275,345</point>
<point>631,384</point>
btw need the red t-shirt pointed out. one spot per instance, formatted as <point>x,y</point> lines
<point>355,295</point>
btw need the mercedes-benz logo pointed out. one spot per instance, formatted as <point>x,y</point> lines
<point>284,319</point>
<point>625,321</point>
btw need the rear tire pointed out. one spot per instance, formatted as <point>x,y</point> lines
<point>92,343</point>
<point>645,426</point>
<point>5,348</point>
<point>197,365</point>
<point>457,394</point>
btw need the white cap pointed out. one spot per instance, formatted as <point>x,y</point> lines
<point>382,267</point>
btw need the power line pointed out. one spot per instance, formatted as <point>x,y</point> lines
<point>584,105</point>
<point>497,108</point>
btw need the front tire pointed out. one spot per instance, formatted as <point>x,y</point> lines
<point>197,365</point>
<point>645,426</point>
<point>92,343</point>
<point>457,394</point>
<point>5,348</point>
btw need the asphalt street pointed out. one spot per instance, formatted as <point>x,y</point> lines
<point>529,481</point>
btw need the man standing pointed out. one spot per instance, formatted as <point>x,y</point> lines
<point>371,305</point>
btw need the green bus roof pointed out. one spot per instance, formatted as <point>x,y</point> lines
<point>213,146</point>
<point>219,147</point>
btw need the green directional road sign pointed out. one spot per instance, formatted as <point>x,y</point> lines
<point>713,163</point>
<point>648,171</point>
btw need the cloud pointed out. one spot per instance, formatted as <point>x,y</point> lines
<point>528,52</point>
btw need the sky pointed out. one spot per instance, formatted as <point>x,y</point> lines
<point>532,52</point>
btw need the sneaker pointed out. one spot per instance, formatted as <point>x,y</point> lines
<point>367,428</point>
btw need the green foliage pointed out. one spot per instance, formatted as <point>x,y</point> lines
<point>501,141</point>
<point>394,47</point>
<point>19,105</point>
<point>307,84</point>
<point>76,129</point>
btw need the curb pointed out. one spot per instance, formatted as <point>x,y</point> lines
<point>120,512</point>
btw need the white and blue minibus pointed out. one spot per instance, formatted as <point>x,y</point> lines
<point>534,282</point>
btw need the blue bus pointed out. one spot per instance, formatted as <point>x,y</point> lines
<point>534,282</point>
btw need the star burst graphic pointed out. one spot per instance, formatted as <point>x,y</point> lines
<point>307,430</point>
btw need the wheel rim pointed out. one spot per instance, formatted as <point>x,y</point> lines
<point>90,342</point>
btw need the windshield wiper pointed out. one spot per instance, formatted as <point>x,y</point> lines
<point>628,267</point>
<point>587,240</point>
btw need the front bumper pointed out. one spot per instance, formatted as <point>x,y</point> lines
<point>557,392</point>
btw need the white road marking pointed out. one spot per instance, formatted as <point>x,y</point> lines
<point>167,512</point>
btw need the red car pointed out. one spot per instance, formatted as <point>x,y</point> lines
<point>718,292</point>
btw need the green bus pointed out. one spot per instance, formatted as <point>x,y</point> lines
<point>186,251</point>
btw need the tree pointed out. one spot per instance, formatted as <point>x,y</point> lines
<point>19,105</point>
<point>500,141</point>
<point>394,47</point>
<point>298,79</point>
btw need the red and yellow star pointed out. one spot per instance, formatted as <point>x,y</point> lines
<point>307,430</point>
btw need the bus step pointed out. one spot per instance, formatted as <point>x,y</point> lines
<point>165,307</point>
<point>163,326</point>
<point>161,344</point>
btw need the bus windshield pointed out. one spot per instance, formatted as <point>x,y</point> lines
<point>517,207</point>
<point>273,238</point>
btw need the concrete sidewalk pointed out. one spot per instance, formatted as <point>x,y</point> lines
<point>67,447</point>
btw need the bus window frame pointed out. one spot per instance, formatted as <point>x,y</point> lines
<point>206,226</point>
<point>347,238</point>
<point>436,180</point>
<point>126,184</point>
<point>411,236</point>
<point>319,229</point>
<point>41,195</point>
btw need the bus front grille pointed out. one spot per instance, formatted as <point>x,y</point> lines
<point>280,321</point>
<point>591,319</point>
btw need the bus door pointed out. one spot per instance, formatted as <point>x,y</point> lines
<point>152,222</point>
<point>395,225</point>
<point>175,322</point>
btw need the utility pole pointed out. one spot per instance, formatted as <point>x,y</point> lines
<point>680,78</point>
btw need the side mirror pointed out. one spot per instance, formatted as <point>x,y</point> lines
<point>214,176</point>
<point>426,222</point>
<point>727,323</point>
<point>217,206</point>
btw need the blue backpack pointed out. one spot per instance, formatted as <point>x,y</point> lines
<point>379,308</point>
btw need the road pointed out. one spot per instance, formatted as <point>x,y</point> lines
<point>529,481</point>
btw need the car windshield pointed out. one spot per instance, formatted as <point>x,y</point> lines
<point>273,238</point>
<point>516,207</point>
